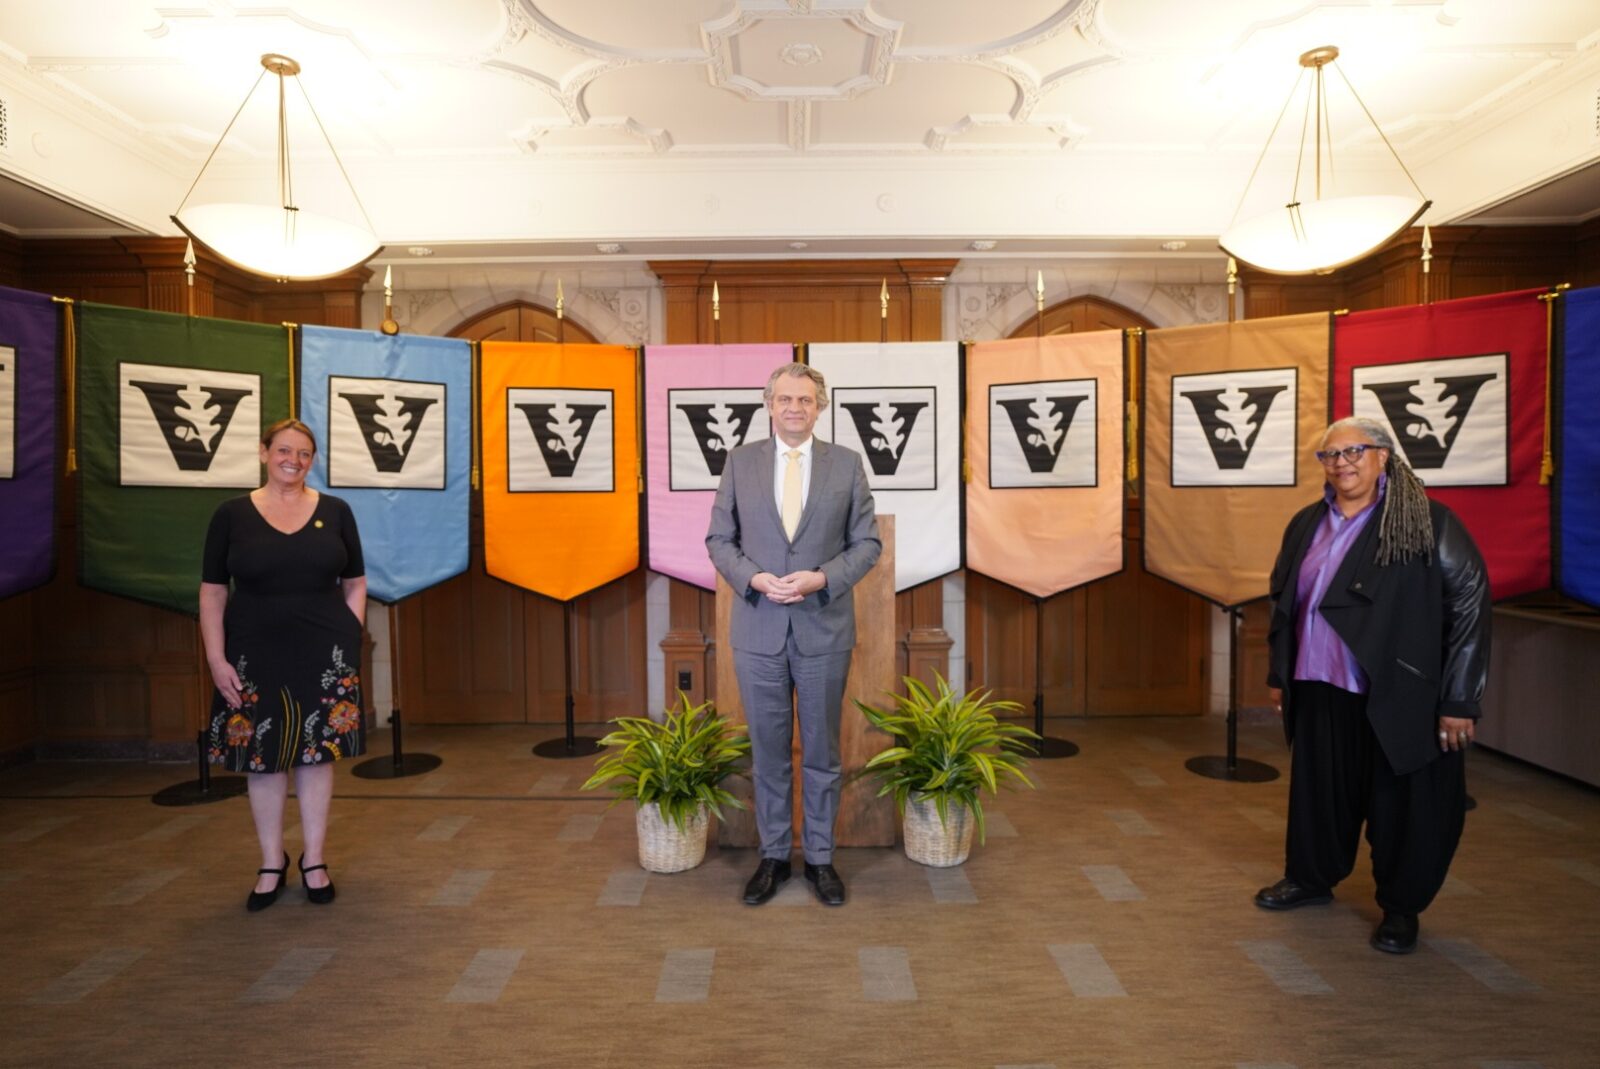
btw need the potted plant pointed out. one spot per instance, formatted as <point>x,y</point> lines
<point>672,769</point>
<point>948,748</point>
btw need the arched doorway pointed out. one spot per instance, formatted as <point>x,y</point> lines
<point>475,650</point>
<point>1130,644</point>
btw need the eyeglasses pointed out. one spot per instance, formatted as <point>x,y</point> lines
<point>1351,453</point>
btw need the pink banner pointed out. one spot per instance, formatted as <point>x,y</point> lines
<point>701,401</point>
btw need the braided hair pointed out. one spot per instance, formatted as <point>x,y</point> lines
<point>1405,527</point>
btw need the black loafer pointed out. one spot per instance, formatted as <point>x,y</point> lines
<point>260,900</point>
<point>829,887</point>
<point>1286,894</point>
<point>1396,933</point>
<point>770,875</point>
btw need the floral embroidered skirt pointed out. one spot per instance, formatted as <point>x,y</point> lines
<point>298,657</point>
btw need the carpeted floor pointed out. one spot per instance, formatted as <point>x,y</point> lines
<point>489,914</point>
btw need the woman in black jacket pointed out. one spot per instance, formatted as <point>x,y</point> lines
<point>1379,647</point>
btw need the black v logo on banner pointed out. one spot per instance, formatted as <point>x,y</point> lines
<point>389,425</point>
<point>1041,425</point>
<point>562,430</point>
<point>1232,420</point>
<point>719,428</point>
<point>1427,414</point>
<point>193,419</point>
<point>885,428</point>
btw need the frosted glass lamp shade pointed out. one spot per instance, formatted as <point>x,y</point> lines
<point>1320,235</point>
<point>270,240</point>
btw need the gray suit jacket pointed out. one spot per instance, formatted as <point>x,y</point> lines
<point>838,535</point>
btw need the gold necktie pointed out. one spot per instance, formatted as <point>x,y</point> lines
<point>793,482</point>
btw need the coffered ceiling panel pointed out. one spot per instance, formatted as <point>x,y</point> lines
<point>939,116</point>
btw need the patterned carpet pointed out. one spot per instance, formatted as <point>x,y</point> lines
<point>489,914</point>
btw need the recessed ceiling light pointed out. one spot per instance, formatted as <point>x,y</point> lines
<point>1174,246</point>
<point>419,250</point>
<point>798,245</point>
<point>609,247</point>
<point>981,246</point>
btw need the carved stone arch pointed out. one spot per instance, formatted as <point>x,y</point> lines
<point>519,321</point>
<point>1079,315</point>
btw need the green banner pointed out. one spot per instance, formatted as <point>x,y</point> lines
<point>170,414</point>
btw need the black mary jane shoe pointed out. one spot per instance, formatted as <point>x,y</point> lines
<point>1396,933</point>
<point>317,896</point>
<point>260,900</point>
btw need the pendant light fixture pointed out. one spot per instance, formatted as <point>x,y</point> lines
<point>291,235</point>
<point>1323,233</point>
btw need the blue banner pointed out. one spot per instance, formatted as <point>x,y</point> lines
<point>1577,450</point>
<point>393,419</point>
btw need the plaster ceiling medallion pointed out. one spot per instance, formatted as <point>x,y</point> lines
<point>835,53</point>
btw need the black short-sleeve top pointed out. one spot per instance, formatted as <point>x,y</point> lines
<point>243,548</point>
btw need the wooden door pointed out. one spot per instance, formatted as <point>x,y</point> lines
<point>1129,644</point>
<point>475,650</point>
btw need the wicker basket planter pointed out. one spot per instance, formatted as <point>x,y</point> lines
<point>936,843</point>
<point>665,848</point>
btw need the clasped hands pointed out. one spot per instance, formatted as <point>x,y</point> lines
<point>788,589</point>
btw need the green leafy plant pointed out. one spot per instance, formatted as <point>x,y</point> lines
<point>678,763</point>
<point>948,747</point>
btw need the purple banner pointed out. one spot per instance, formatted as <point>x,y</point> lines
<point>27,439</point>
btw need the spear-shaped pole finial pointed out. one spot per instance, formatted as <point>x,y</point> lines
<point>1427,265</point>
<point>188,272</point>
<point>1233,284</point>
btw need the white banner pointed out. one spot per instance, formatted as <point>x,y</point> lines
<point>8,412</point>
<point>1234,428</point>
<point>560,441</point>
<point>1449,416</point>
<point>899,406</point>
<point>187,426</point>
<point>385,433</point>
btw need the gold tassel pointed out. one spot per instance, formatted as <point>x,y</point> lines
<point>1547,460</point>
<point>69,356</point>
<point>475,351</point>
<point>294,407</point>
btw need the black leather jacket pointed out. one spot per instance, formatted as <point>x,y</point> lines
<point>1419,630</point>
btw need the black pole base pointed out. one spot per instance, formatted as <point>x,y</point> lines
<point>577,746</point>
<point>201,792</point>
<point>1244,770</point>
<point>1472,803</point>
<point>411,764</point>
<point>1051,749</point>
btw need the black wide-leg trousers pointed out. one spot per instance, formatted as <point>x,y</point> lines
<point>1340,779</point>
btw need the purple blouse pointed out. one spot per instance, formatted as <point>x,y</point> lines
<point>1322,655</point>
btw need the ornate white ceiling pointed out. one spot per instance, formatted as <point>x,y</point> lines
<point>682,124</point>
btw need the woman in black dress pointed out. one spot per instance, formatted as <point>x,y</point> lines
<point>285,650</point>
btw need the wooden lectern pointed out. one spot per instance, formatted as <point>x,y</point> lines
<point>864,820</point>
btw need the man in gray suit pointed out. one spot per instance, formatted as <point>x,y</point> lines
<point>792,531</point>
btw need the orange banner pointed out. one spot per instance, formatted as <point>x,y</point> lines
<point>1232,414</point>
<point>1045,445</point>
<point>560,465</point>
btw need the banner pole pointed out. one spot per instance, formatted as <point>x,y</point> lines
<point>1229,767</point>
<point>204,788</point>
<point>400,764</point>
<point>1044,746</point>
<point>571,744</point>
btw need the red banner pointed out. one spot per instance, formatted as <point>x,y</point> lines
<point>1461,386</point>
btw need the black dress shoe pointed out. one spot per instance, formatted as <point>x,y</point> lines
<point>830,888</point>
<point>320,896</point>
<point>1286,894</point>
<point>1396,933</point>
<point>260,900</point>
<point>770,875</point>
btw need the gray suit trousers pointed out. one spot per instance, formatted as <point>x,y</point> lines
<point>775,688</point>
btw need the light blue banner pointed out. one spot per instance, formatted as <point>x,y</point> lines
<point>393,422</point>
